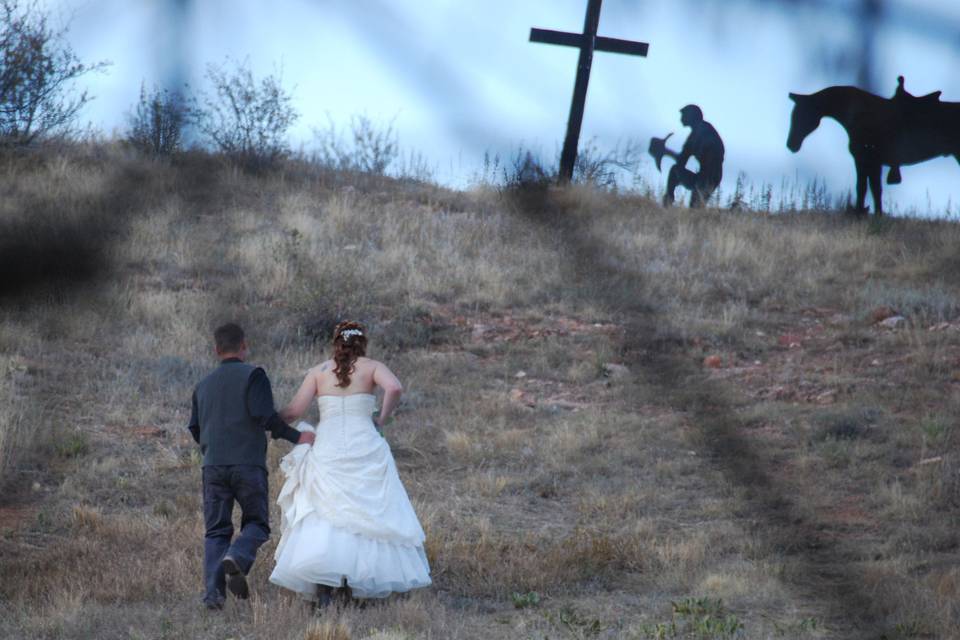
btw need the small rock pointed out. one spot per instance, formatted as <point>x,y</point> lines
<point>894,322</point>
<point>520,374</point>
<point>838,319</point>
<point>882,313</point>
<point>874,363</point>
<point>518,396</point>
<point>36,486</point>
<point>827,397</point>
<point>790,341</point>
<point>713,362</point>
<point>781,393</point>
<point>478,331</point>
<point>616,371</point>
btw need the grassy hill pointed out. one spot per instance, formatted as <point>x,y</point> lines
<point>620,421</point>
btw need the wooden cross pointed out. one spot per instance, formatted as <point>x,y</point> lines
<point>587,42</point>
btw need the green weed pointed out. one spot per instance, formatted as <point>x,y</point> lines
<point>696,618</point>
<point>525,600</point>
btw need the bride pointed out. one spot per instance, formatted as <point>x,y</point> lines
<point>346,518</point>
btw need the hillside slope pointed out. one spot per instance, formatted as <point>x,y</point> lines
<point>620,421</point>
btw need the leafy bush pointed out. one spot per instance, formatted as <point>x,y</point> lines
<point>245,118</point>
<point>157,125</point>
<point>37,71</point>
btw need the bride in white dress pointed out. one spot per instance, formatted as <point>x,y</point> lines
<point>345,514</point>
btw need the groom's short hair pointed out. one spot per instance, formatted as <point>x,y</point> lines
<point>228,338</point>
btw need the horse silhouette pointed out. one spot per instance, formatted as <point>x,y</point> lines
<point>896,131</point>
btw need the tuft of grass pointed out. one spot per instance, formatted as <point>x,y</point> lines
<point>87,517</point>
<point>700,618</point>
<point>73,444</point>
<point>852,423</point>
<point>525,600</point>
<point>327,630</point>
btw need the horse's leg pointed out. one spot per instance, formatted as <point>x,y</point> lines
<point>875,171</point>
<point>861,185</point>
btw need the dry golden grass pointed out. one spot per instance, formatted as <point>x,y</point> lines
<point>810,482</point>
<point>327,631</point>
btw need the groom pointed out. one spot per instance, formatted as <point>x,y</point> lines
<point>232,411</point>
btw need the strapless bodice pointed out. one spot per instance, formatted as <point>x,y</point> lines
<point>355,404</point>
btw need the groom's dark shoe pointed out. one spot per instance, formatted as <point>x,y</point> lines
<point>236,581</point>
<point>324,596</point>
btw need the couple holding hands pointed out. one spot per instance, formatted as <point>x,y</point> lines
<point>346,520</point>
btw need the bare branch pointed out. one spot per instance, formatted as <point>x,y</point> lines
<point>37,71</point>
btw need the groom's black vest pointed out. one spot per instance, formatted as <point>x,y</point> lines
<point>228,433</point>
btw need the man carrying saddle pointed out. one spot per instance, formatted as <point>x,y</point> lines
<point>705,145</point>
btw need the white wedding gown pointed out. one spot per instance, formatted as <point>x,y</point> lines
<point>345,513</point>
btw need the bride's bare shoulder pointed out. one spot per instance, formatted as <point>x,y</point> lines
<point>323,367</point>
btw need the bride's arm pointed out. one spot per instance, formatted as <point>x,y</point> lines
<point>384,378</point>
<point>301,401</point>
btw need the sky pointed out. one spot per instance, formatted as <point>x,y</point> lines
<point>460,78</point>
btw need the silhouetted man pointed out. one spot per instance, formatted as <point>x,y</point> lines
<point>705,145</point>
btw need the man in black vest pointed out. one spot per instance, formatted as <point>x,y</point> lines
<point>232,411</point>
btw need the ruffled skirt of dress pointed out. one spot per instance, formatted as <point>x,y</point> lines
<point>345,514</point>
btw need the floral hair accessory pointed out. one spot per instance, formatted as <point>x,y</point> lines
<point>349,333</point>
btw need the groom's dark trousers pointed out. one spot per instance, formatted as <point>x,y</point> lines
<point>232,411</point>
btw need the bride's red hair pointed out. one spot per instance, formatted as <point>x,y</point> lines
<point>349,343</point>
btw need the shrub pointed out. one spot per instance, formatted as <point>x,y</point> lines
<point>37,71</point>
<point>369,148</point>
<point>602,169</point>
<point>245,118</point>
<point>157,124</point>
